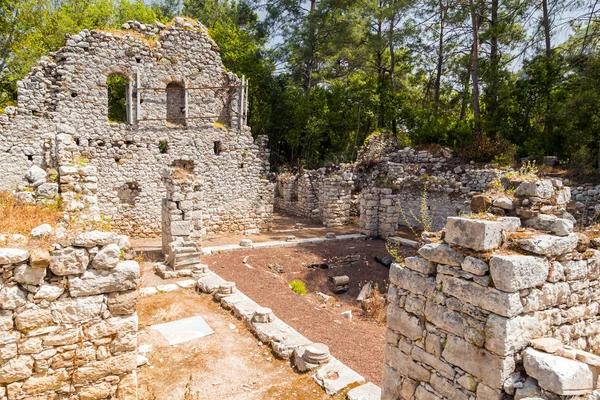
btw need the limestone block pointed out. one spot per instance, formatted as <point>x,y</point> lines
<point>49,292</point>
<point>496,301</point>
<point>95,392</point>
<point>403,362</point>
<point>11,297</point>
<point>559,375</point>
<point>419,264</point>
<point>116,365</point>
<point>505,336</point>
<point>547,344</point>
<point>542,189</point>
<point>475,266</point>
<point>447,388</point>
<point>125,276</point>
<point>412,281</point>
<point>480,235</point>
<point>335,376</point>
<point>6,320</point>
<point>455,322</point>
<point>33,318</point>
<point>13,256</point>
<point>515,272</point>
<point>503,202</point>
<point>181,228</point>
<point>96,238</point>
<point>127,389</point>
<point>69,261</point>
<point>47,190</point>
<point>510,224</point>
<point>7,352</point>
<point>123,303</point>
<point>405,323</point>
<point>550,245</point>
<point>545,222</point>
<point>107,258</point>
<point>77,310</point>
<point>368,391</point>
<point>41,231</point>
<point>434,362</point>
<point>40,258</point>
<point>484,392</point>
<point>16,369</point>
<point>529,391</point>
<point>35,174</point>
<point>424,394</point>
<point>27,275</point>
<point>492,369</point>
<point>442,254</point>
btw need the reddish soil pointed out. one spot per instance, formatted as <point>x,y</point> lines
<point>359,342</point>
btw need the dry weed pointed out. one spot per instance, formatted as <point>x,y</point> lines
<point>375,306</point>
<point>19,217</point>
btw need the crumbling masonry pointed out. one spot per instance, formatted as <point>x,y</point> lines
<point>183,110</point>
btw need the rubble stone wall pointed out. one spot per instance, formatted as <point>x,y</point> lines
<point>464,312</point>
<point>66,92</point>
<point>68,322</point>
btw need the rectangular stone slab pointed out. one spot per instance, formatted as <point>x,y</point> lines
<point>184,330</point>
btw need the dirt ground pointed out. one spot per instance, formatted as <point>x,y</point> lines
<point>359,342</point>
<point>229,364</point>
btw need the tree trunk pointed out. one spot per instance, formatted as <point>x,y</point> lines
<point>548,79</point>
<point>494,69</point>
<point>392,57</point>
<point>310,57</point>
<point>465,94</point>
<point>475,74</point>
<point>440,61</point>
<point>380,71</point>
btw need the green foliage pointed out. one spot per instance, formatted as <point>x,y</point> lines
<point>117,101</point>
<point>298,286</point>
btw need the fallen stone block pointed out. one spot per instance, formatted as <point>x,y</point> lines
<point>335,376</point>
<point>548,245</point>
<point>368,391</point>
<point>442,254</point>
<point>559,375</point>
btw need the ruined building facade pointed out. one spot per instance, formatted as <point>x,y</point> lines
<point>181,109</point>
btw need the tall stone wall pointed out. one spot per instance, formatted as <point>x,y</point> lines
<point>464,312</point>
<point>67,92</point>
<point>68,322</point>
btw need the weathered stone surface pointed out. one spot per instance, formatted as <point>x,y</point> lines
<point>480,235</point>
<point>122,303</point>
<point>111,366</point>
<point>471,359</point>
<point>107,258</point>
<point>35,174</point>
<point>13,256</point>
<point>27,275</point>
<point>40,258</point>
<point>420,264</point>
<point>442,254</point>
<point>455,322</point>
<point>69,261</point>
<point>335,376</point>
<point>368,391</point>
<point>125,276</point>
<point>546,222</point>
<point>503,202</point>
<point>49,292</point>
<point>412,281</point>
<point>11,297</point>
<point>502,303</point>
<point>557,374</point>
<point>515,272</point>
<point>95,392</point>
<point>403,362</point>
<point>447,388</point>
<point>550,245</point>
<point>96,238</point>
<point>505,336</point>
<point>77,310</point>
<point>510,224</point>
<point>127,389</point>
<point>405,323</point>
<point>548,345</point>
<point>33,318</point>
<point>6,320</point>
<point>41,231</point>
<point>475,266</point>
<point>542,189</point>
<point>480,203</point>
<point>16,369</point>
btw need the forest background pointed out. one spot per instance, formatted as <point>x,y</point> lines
<point>495,80</point>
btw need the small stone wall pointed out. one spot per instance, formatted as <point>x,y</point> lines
<point>464,312</point>
<point>68,322</point>
<point>336,199</point>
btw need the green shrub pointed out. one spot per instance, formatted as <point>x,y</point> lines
<point>297,286</point>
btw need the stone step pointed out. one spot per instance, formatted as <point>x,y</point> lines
<point>186,264</point>
<point>179,250</point>
<point>187,256</point>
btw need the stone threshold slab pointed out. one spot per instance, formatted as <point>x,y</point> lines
<point>279,243</point>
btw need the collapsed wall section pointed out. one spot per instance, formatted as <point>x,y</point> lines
<point>68,322</point>
<point>465,311</point>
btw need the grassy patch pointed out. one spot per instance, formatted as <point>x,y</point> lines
<point>19,217</point>
<point>297,286</point>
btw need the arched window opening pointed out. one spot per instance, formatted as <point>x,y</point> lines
<point>118,99</point>
<point>176,103</point>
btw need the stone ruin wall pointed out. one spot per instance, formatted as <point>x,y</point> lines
<point>464,313</point>
<point>66,94</point>
<point>68,322</point>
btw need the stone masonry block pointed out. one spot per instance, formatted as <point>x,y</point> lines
<point>515,272</point>
<point>473,234</point>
